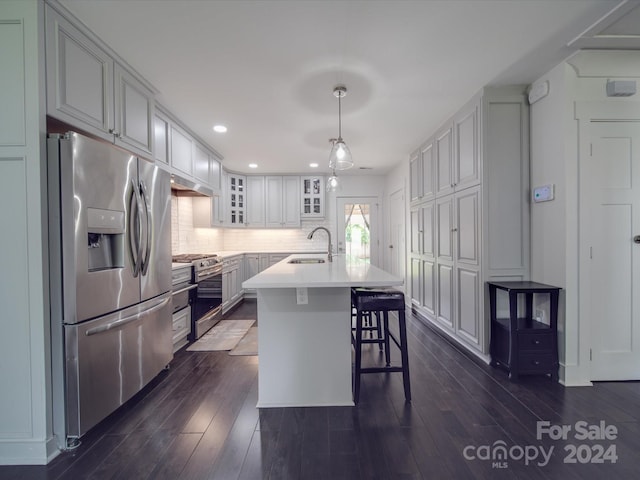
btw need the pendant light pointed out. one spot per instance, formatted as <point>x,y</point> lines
<point>332,182</point>
<point>340,156</point>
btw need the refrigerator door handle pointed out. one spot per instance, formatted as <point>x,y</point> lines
<point>135,229</point>
<point>129,319</point>
<point>144,266</point>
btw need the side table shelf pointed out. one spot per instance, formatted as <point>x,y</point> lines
<point>519,343</point>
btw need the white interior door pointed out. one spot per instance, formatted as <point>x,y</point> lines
<point>614,216</point>
<point>396,246</point>
<point>357,225</point>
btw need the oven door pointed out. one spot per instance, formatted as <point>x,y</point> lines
<point>207,306</point>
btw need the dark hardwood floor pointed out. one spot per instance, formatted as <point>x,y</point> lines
<point>199,421</point>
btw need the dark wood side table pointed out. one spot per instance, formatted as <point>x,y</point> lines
<point>521,344</point>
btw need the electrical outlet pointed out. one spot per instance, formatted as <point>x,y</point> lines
<point>539,315</point>
<point>302,296</point>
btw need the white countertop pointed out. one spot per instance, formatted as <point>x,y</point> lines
<point>338,273</point>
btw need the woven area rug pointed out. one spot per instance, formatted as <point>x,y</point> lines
<point>223,336</point>
<point>248,345</point>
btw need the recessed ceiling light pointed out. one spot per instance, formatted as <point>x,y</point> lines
<point>253,165</point>
<point>220,128</point>
<point>313,165</point>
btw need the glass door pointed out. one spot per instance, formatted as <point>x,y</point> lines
<point>358,229</point>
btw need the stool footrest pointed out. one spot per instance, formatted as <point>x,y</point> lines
<point>381,369</point>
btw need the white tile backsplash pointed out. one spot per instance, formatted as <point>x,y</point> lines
<point>187,239</point>
<point>277,239</point>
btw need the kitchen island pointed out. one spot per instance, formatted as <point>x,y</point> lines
<point>304,319</point>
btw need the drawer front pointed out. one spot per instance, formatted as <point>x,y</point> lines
<point>181,323</point>
<point>180,300</point>
<point>535,342</point>
<point>533,363</point>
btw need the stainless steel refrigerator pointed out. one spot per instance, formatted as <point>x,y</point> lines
<point>110,279</point>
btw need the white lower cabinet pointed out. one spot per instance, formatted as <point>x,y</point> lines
<point>476,226</point>
<point>277,257</point>
<point>181,328</point>
<point>254,263</point>
<point>232,276</point>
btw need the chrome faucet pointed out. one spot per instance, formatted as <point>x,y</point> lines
<point>330,247</point>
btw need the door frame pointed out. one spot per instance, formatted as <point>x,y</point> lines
<point>585,114</point>
<point>374,201</point>
<point>400,249</point>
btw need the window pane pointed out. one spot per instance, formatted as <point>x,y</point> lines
<point>357,232</point>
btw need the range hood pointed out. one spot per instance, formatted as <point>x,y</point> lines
<point>183,187</point>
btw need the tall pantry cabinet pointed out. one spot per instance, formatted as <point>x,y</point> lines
<point>470,213</point>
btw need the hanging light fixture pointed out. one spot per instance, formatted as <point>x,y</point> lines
<point>332,182</point>
<point>340,156</point>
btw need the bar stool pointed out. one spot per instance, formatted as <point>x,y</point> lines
<point>381,301</point>
<point>372,323</point>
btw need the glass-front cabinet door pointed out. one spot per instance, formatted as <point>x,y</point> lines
<point>237,200</point>
<point>312,197</point>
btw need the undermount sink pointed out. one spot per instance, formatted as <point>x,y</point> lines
<point>306,260</point>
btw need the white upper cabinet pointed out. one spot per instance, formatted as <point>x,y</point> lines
<point>415,170</point>
<point>161,138</point>
<point>422,171</point>
<point>206,167</point>
<point>134,111</point>
<point>87,88</point>
<point>215,173</point>
<point>181,150</point>
<point>255,201</point>
<point>466,168</point>
<point>177,149</point>
<point>312,197</point>
<point>443,145</point>
<point>201,161</point>
<point>282,196</point>
<point>427,187</point>
<point>79,76</point>
<point>236,200</point>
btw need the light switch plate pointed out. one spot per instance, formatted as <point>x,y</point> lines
<point>543,193</point>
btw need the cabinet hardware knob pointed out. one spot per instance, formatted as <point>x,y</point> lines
<point>536,342</point>
<point>536,362</point>
<point>636,239</point>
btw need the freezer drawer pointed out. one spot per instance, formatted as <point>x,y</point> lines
<point>110,359</point>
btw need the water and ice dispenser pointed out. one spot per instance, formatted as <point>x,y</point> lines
<point>105,239</point>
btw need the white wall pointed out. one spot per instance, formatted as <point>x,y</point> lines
<point>25,403</point>
<point>554,159</point>
<point>551,140</point>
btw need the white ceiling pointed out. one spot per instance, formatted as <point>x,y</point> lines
<point>267,69</point>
